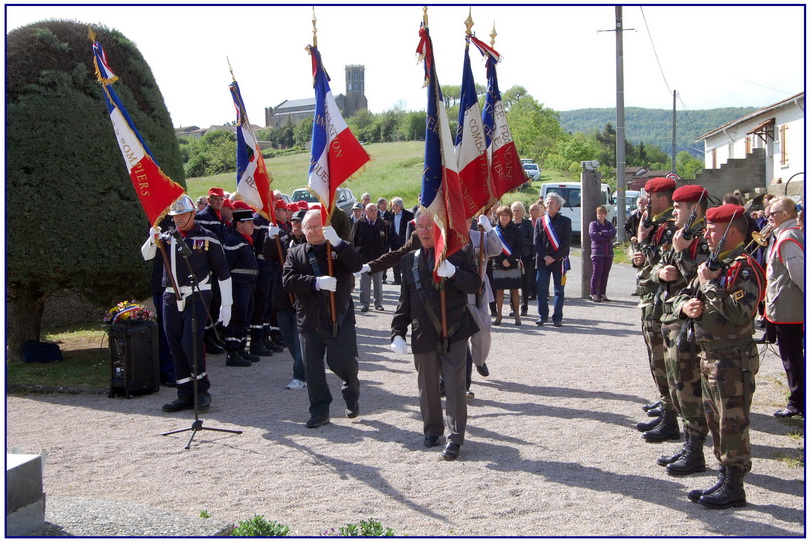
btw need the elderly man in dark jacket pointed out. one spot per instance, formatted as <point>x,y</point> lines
<point>370,238</point>
<point>306,276</point>
<point>420,308</point>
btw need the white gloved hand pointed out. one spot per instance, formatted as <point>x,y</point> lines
<point>149,248</point>
<point>365,269</point>
<point>399,346</point>
<point>331,236</point>
<point>224,314</point>
<point>446,269</point>
<point>483,221</point>
<point>326,282</point>
<point>154,234</point>
<point>273,231</point>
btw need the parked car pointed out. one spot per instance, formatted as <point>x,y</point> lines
<point>527,161</point>
<point>286,198</point>
<point>344,198</point>
<point>532,170</point>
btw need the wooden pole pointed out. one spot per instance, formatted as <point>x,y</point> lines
<point>168,265</point>
<point>332,307</point>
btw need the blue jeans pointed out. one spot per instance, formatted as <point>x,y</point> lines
<point>542,292</point>
<point>289,333</point>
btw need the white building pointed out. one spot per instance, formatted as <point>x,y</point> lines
<point>779,129</point>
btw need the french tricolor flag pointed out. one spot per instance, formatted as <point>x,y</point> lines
<point>506,170</point>
<point>336,153</point>
<point>155,190</point>
<point>471,145</point>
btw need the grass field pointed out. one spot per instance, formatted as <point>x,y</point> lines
<point>395,170</point>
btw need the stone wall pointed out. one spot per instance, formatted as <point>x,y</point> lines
<point>743,174</point>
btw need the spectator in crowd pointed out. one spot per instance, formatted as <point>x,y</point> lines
<point>602,233</point>
<point>365,199</point>
<point>305,276</point>
<point>357,212</point>
<point>631,223</point>
<point>506,267</point>
<point>370,238</point>
<point>536,210</point>
<point>396,231</point>
<point>202,201</point>
<point>528,285</point>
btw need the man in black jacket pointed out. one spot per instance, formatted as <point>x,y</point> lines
<point>370,238</point>
<point>552,243</point>
<point>396,231</point>
<point>306,276</point>
<point>420,307</point>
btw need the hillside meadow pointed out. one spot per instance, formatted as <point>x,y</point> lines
<point>395,169</point>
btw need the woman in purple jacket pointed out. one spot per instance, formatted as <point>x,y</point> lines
<point>602,233</point>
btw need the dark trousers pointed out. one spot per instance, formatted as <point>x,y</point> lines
<point>599,277</point>
<point>180,334</point>
<point>241,311</point>
<point>289,333</point>
<point>529,281</point>
<point>429,367</point>
<point>261,301</point>
<point>397,270</point>
<point>166,361</point>
<point>543,275</point>
<point>341,357</point>
<point>789,338</point>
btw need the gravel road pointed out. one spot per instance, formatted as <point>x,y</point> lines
<point>551,446</point>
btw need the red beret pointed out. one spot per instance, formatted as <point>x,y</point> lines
<point>689,193</point>
<point>302,204</point>
<point>227,203</point>
<point>292,206</point>
<point>216,191</point>
<point>660,184</point>
<point>725,213</point>
<point>280,204</point>
<point>239,204</point>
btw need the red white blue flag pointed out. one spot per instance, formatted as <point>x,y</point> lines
<point>252,179</point>
<point>336,153</point>
<point>471,145</point>
<point>505,169</point>
<point>155,190</point>
<point>441,188</point>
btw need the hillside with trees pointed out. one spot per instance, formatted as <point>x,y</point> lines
<point>654,126</point>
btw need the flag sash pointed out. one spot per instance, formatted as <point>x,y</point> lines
<point>550,233</point>
<point>507,250</point>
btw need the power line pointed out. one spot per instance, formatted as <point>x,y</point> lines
<point>654,51</point>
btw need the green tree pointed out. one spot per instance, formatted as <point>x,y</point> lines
<point>78,224</point>
<point>688,166</point>
<point>412,126</point>
<point>535,129</point>
<point>302,133</point>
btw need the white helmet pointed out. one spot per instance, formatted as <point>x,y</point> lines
<point>184,204</point>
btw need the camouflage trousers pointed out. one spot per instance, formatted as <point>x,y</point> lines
<point>651,328</point>
<point>728,385</point>
<point>683,376</point>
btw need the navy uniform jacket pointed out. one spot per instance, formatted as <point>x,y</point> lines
<point>313,306</point>
<point>207,257</point>
<point>411,309</point>
<point>207,218</point>
<point>542,245</point>
<point>241,259</point>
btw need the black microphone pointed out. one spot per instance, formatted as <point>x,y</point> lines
<point>181,243</point>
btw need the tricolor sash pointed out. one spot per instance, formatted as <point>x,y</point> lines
<point>550,233</point>
<point>507,250</point>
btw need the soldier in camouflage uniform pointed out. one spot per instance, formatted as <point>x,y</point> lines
<point>676,269</point>
<point>654,238</point>
<point>721,305</point>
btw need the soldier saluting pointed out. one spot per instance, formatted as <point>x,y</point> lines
<point>722,301</point>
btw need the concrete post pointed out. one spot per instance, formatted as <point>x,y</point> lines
<point>591,197</point>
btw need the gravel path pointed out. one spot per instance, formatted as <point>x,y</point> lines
<point>551,446</point>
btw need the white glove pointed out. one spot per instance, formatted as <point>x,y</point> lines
<point>149,248</point>
<point>446,269</point>
<point>483,221</point>
<point>226,291</point>
<point>399,346</point>
<point>224,314</point>
<point>326,283</point>
<point>273,231</point>
<point>331,236</point>
<point>365,269</point>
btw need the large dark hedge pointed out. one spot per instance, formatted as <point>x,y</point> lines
<point>73,218</point>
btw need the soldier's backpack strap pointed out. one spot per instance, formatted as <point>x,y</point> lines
<point>736,268</point>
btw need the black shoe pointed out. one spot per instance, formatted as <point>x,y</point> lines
<point>482,370</point>
<point>247,356</point>
<point>396,283</point>
<point>692,461</point>
<point>379,308</point>
<point>604,298</point>
<point>259,350</point>
<point>211,346</point>
<point>273,346</point>
<point>524,312</point>
<point>655,411</point>
<point>666,459</point>
<point>557,325</point>
<point>695,495</point>
<point>234,360</point>
<point>352,410</point>
<point>317,420</point>
<point>652,405</point>
<point>431,441</point>
<point>450,451</point>
<point>364,309</point>
<point>731,494</point>
<point>647,426</point>
<point>179,404</point>
<point>512,313</point>
<point>470,394</point>
<point>666,429</point>
<point>204,400</point>
<point>540,322</point>
<point>786,413</point>
<point>275,338</point>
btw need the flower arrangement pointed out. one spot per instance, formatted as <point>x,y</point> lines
<point>128,311</point>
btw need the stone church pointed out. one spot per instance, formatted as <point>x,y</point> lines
<point>294,111</point>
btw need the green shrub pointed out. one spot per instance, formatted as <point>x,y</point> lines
<point>366,528</point>
<point>259,527</point>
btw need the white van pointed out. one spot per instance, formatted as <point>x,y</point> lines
<point>572,194</point>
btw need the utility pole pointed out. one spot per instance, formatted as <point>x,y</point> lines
<point>674,94</point>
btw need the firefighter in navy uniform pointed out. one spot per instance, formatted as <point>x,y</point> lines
<point>206,258</point>
<point>244,269</point>
<point>211,219</point>
<point>262,342</point>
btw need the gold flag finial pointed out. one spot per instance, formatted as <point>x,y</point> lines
<point>91,34</point>
<point>314,28</point>
<point>492,35</point>
<point>469,23</point>
<point>424,16</point>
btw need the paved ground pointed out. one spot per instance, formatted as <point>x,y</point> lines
<point>551,447</point>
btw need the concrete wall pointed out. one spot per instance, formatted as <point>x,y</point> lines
<point>743,174</point>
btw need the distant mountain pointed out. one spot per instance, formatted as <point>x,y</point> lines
<point>654,126</point>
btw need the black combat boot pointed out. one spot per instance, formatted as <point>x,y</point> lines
<point>275,337</point>
<point>692,460</point>
<point>268,343</point>
<point>257,348</point>
<point>234,359</point>
<point>651,405</point>
<point>665,459</point>
<point>649,425</point>
<point>695,495</point>
<point>655,411</point>
<point>246,355</point>
<point>666,429</point>
<point>731,494</point>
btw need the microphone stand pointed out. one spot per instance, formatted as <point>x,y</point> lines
<point>195,289</point>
